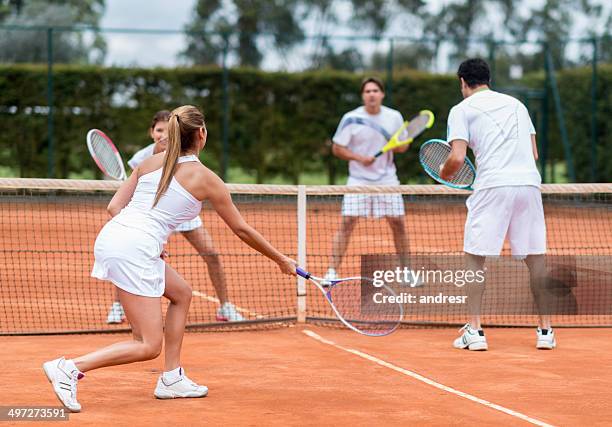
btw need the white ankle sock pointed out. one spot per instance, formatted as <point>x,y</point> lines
<point>173,375</point>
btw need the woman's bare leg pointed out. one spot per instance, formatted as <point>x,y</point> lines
<point>179,294</point>
<point>144,315</point>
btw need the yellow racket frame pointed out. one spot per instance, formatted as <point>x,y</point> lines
<point>395,142</point>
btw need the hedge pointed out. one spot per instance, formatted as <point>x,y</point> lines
<point>279,122</point>
<point>575,91</point>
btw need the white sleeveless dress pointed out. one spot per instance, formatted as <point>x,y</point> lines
<point>127,249</point>
<point>142,155</point>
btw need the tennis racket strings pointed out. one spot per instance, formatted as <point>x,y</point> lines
<point>105,154</point>
<point>434,154</point>
<point>372,310</point>
<point>416,126</point>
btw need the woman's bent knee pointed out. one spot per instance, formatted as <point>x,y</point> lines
<point>150,350</point>
<point>182,295</point>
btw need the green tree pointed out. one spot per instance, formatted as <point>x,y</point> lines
<point>551,22</point>
<point>367,16</point>
<point>86,11</point>
<point>418,56</point>
<point>604,37</point>
<point>246,21</point>
<point>377,15</point>
<point>9,6</point>
<point>242,21</point>
<point>30,45</point>
<point>605,46</point>
<point>458,22</point>
<point>349,59</point>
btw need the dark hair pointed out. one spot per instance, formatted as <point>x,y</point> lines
<point>160,116</point>
<point>475,72</point>
<point>183,124</point>
<point>378,82</point>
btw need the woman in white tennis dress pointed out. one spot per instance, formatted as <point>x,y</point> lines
<point>164,191</point>
<point>193,231</point>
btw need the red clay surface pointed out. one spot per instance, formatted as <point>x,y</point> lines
<point>283,377</point>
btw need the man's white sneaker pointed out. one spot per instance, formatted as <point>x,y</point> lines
<point>180,386</point>
<point>63,376</point>
<point>115,314</point>
<point>471,339</point>
<point>545,339</point>
<point>229,313</point>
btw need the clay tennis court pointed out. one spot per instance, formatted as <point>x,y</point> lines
<point>285,377</point>
<point>281,373</point>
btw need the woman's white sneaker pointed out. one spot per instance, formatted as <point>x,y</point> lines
<point>471,339</point>
<point>63,376</point>
<point>545,339</point>
<point>179,386</point>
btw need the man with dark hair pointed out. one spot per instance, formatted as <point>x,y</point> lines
<point>506,200</point>
<point>357,143</point>
<point>475,72</point>
<point>378,82</point>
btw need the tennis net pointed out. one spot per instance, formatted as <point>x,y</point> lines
<point>48,228</point>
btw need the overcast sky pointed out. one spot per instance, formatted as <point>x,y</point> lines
<point>147,13</point>
<point>131,49</point>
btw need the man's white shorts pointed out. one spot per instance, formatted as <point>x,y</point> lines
<point>372,205</point>
<point>513,211</point>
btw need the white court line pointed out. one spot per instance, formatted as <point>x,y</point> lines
<point>426,380</point>
<point>216,301</point>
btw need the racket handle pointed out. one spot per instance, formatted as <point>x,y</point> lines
<point>300,272</point>
<point>380,153</point>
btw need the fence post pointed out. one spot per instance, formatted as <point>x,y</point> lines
<point>594,113</point>
<point>552,80</point>
<point>50,141</point>
<point>225,129</point>
<point>543,136</point>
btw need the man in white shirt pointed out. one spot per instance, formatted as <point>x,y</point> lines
<point>506,199</point>
<point>358,143</point>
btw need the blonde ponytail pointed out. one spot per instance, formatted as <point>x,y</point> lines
<point>183,125</point>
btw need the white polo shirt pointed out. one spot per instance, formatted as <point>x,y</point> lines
<point>141,155</point>
<point>498,129</point>
<point>366,141</point>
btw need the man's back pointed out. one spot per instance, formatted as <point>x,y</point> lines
<point>498,130</point>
